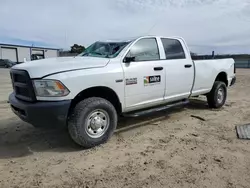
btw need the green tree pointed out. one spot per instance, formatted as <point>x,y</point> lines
<point>77,48</point>
<point>193,54</point>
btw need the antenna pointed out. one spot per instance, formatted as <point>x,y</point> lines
<point>153,26</point>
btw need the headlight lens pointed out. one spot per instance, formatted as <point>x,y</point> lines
<point>50,88</point>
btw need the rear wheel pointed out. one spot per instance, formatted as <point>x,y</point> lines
<point>92,122</point>
<point>218,95</point>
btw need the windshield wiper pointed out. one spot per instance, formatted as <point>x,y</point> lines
<point>97,53</point>
<point>86,53</point>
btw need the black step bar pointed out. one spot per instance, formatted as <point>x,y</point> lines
<point>156,109</point>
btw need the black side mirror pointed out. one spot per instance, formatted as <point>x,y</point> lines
<point>128,59</point>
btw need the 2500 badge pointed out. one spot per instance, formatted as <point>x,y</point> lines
<point>151,80</point>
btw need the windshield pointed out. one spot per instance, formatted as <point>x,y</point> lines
<point>104,49</point>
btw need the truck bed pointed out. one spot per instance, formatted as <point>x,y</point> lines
<point>207,69</point>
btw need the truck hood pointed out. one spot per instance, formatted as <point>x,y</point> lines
<point>41,68</point>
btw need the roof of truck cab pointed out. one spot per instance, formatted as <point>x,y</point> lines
<point>129,39</point>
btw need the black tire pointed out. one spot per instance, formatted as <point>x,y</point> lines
<point>213,96</point>
<point>78,121</point>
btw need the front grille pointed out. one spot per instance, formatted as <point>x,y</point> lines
<point>22,85</point>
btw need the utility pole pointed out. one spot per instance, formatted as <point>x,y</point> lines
<point>212,54</point>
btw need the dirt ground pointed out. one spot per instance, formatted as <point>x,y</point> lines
<point>166,149</point>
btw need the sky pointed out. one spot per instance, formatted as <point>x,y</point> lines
<point>206,25</point>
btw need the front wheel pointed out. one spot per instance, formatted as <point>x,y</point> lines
<point>218,95</point>
<point>92,122</point>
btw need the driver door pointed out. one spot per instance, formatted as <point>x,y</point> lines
<point>144,75</point>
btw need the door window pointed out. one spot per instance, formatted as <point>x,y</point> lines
<point>145,50</point>
<point>173,49</point>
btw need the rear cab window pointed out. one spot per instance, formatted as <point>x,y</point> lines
<point>173,49</point>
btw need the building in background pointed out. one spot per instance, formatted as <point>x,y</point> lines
<point>17,53</point>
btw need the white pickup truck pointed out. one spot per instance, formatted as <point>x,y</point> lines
<point>88,92</point>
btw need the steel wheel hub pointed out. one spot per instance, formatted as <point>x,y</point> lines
<point>220,95</point>
<point>97,123</point>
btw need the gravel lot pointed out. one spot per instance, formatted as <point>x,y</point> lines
<point>166,149</point>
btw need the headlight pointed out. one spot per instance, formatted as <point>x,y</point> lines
<point>49,88</point>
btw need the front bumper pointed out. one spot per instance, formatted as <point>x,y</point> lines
<point>41,114</point>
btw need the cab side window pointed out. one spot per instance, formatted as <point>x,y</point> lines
<point>173,49</point>
<point>145,50</point>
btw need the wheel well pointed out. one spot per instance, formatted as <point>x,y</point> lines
<point>103,92</point>
<point>222,77</point>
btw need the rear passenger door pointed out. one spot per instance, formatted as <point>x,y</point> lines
<point>179,70</point>
<point>144,76</point>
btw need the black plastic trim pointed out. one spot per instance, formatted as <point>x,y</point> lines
<point>41,113</point>
<point>26,83</point>
<point>233,81</point>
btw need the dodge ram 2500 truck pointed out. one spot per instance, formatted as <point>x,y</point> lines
<point>88,92</point>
